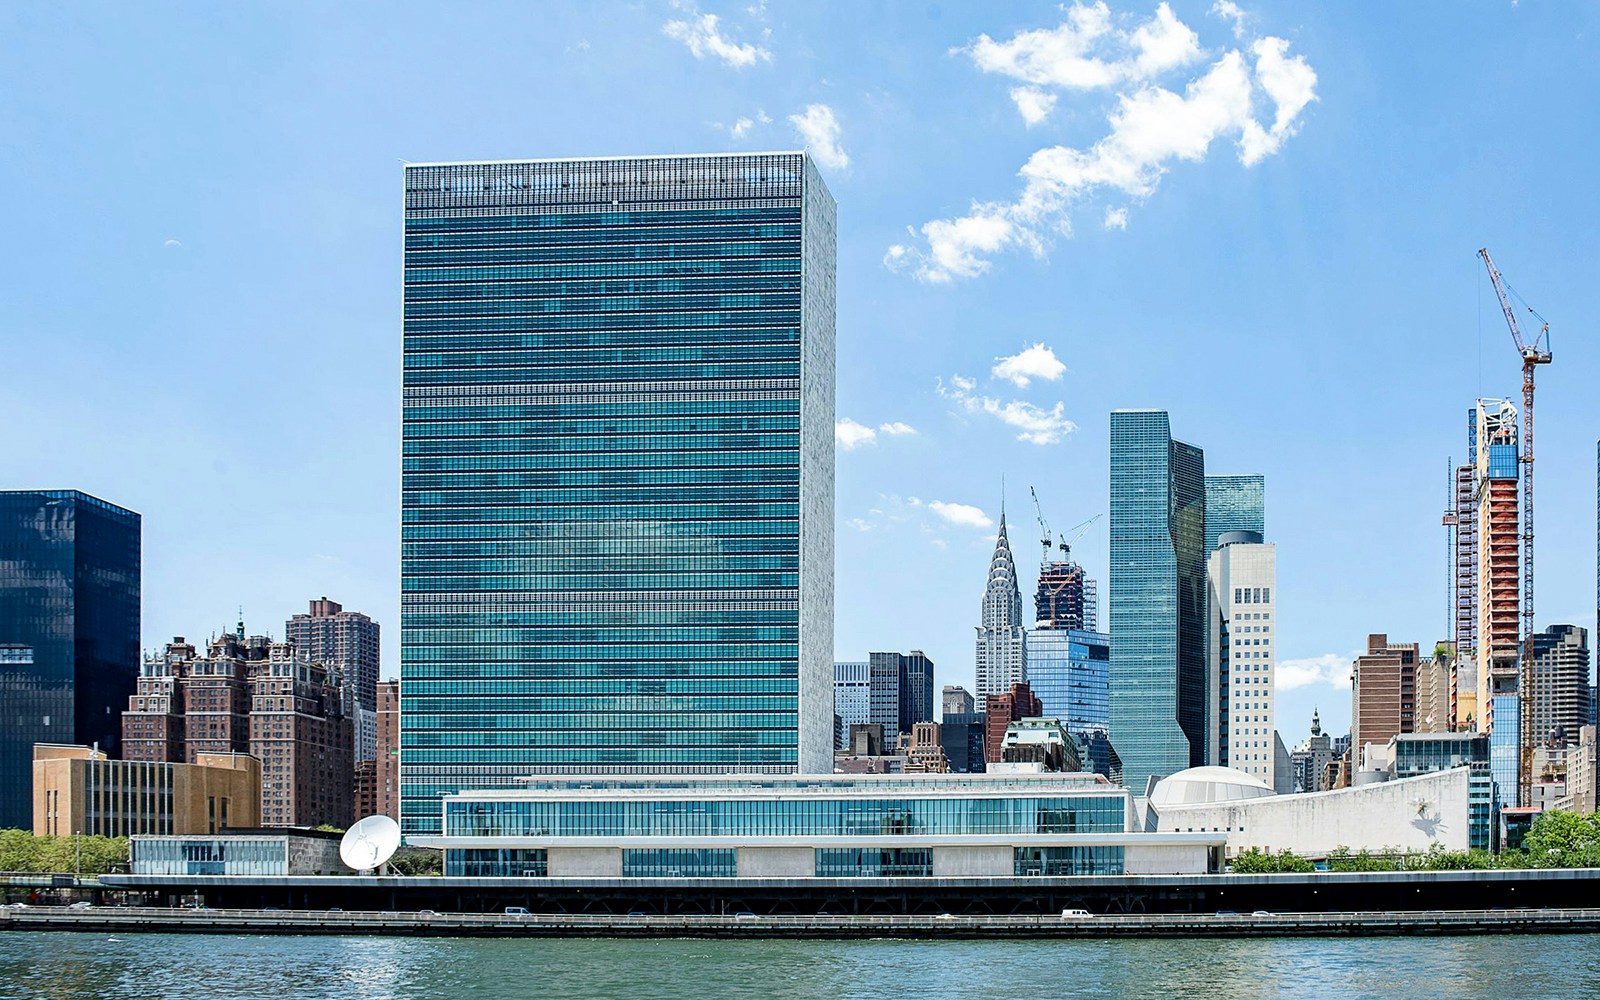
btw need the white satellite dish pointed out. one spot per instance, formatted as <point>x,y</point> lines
<point>370,843</point>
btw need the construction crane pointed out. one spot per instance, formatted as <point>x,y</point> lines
<point>1044,529</point>
<point>1533,355</point>
<point>1077,533</point>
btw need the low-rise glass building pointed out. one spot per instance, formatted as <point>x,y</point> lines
<point>823,826</point>
<point>238,852</point>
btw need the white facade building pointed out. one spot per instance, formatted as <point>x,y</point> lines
<point>852,695</point>
<point>1241,657</point>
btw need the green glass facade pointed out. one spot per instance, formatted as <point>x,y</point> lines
<point>1235,503</point>
<point>617,483</point>
<point>1157,598</point>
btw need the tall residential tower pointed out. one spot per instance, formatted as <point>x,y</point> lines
<point>617,491</point>
<point>345,642</point>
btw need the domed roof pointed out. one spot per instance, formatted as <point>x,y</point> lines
<point>1203,785</point>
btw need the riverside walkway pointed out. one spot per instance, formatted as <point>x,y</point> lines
<point>268,921</point>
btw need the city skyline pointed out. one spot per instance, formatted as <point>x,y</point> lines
<point>218,223</point>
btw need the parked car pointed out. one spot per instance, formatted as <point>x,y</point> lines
<point>1075,914</point>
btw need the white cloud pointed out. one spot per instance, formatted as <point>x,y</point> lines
<point>1034,362</point>
<point>860,524</point>
<point>743,126</point>
<point>819,128</point>
<point>1330,669</point>
<point>1230,11</point>
<point>1088,52</point>
<point>849,434</point>
<point>1292,84</point>
<point>961,514</point>
<point>172,243</point>
<point>1033,104</point>
<point>700,32</point>
<point>1149,129</point>
<point>1035,424</point>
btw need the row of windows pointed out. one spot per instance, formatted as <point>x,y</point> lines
<point>786,818</point>
<point>466,374</point>
<point>645,563</point>
<point>674,685</point>
<point>637,634</point>
<point>599,255</point>
<point>620,616</point>
<point>642,170</point>
<point>679,513</point>
<point>742,751</point>
<point>754,280</point>
<point>412,581</point>
<point>592,231</point>
<point>889,862</point>
<point>669,268</point>
<point>611,544</point>
<point>616,433</point>
<point>537,498</point>
<point>563,728</point>
<point>467,666</point>
<point>679,862</point>
<point>529,323</point>
<point>684,706</point>
<point>557,416</point>
<point>475,355</point>
<point>745,336</point>
<point>662,305</point>
<point>496,863</point>
<point>774,471</point>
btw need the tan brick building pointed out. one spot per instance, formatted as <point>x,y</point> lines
<point>79,790</point>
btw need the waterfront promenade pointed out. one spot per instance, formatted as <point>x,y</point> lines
<point>113,919</point>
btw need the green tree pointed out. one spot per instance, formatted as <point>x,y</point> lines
<point>1258,862</point>
<point>21,851</point>
<point>1559,839</point>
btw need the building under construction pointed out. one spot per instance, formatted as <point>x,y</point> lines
<point>1065,598</point>
<point>1488,585</point>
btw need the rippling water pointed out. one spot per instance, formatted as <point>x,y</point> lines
<point>37,964</point>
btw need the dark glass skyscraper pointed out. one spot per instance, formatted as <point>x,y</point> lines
<point>617,493</point>
<point>69,590</point>
<point>1235,503</point>
<point>1157,598</point>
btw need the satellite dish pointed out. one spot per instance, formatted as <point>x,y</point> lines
<point>370,843</point>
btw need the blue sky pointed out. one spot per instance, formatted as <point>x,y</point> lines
<point>1262,218</point>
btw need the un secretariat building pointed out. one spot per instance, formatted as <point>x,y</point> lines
<point>617,486</point>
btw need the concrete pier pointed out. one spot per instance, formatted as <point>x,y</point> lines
<point>266,921</point>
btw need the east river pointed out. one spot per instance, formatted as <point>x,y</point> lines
<point>50,964</point>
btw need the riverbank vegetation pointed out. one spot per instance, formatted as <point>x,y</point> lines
<point>1555,840</point>
<point>21,851</point>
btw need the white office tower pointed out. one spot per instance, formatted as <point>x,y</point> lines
<point>1241,654</point>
